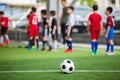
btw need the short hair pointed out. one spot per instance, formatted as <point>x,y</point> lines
<point>71,7</point>
<point>110,9</point>
<point>53,13</point>
<point>64,0</point>
<point>1,12</point>
<point>34,9</point>
<point>95,7</point>
<point>44,12</point>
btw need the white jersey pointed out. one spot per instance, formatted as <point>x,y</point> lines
<point>71,20</point>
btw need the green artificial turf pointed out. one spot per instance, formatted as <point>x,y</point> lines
<point>21,59</point>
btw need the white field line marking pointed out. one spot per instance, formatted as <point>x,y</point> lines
<point>53,71</point>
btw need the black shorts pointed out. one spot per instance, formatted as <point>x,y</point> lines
<point>55,37</point>
<point>70,35</point>
<point>4,30</point>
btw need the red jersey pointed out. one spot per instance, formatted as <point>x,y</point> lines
<point>95,20</point>
<point>110,21</point>
<point>4,22</point>
<point>33,21</point>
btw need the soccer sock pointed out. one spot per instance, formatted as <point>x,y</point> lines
<point>93,46</point>
<point>55,45</point>
<point>96,45</point>
<point>1,40</point>
<point>48,43</point>
<point>108,47</point>
<point>44,44</point>
<point>6,37</point>
<point>37,41</point>
<point>112,48</point>
<point>30,43</point>
<point>70,44</point>
<point>67,43</point>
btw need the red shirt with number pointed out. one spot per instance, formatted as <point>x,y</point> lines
<point>4,22</point>
<point>95,20</point>
<point>33,25</point>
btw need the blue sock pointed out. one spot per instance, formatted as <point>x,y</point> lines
<point>30,43</point>
<point>112,48</point>
<point>67,43</point>
<point>108,47</point>
<point>96,46</point>
<point>93,46</point>
<point>70,44</point>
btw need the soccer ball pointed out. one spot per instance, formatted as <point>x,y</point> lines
<point>67,66</point>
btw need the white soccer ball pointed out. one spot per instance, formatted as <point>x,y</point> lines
<point>67,66</point>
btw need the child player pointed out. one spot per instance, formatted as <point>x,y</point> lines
<point>110,31</point>
<point>95,27</point>
<point>69,25</point>
<point>33,28</point>
<point>54,31</point>
<point>4,23</point>
<point>45,30</point>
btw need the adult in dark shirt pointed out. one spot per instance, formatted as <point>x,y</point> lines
<point>64,18</point>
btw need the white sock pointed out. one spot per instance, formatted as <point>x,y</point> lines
<point>6,37</point>
<point>55,45</point>
<point>1,39</point>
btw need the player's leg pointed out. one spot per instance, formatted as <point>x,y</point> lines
<point>36,41</point>
<point>31,34</point>
<point>97,43</point>
<point>2,37</point>
<point>110,41</point>
<point>54,39</point>
<point>6,36</point>
<point>43,44</point>
<point>110,37</point>
<point>93,42</point>
<point>63,33</point>
<point>69,42</point>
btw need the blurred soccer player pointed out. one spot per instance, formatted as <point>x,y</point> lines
<point>110,31</point>
<point>45,30</point>
<point>54,32</point>
<point>69,25</point>
<point>33,28</point>
<point>4,24</point>
<point>95,27</point>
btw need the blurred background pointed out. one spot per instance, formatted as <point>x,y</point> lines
<point>17,11</point>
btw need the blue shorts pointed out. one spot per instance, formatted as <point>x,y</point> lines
<point>110,34</point>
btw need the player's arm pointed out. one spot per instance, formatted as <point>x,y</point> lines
<point>54,29</point>
<point>89,23</point>
<point>69,29</point>
<point>47,21</point>
<point>60,20</point>
<point>101,25</point>
<point>107,31</point>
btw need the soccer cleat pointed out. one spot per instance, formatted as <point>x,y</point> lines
<point>67,50</point>
<point>38,48</point>
<point>50,48</point>
<point>1,44</point>
<point>105,53</point>
<point>30,49</point>
<point>93,53</point>
<point>7,42</point>
<point>111,53</point>
<point>43,49</point>
<point>54,50</point>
